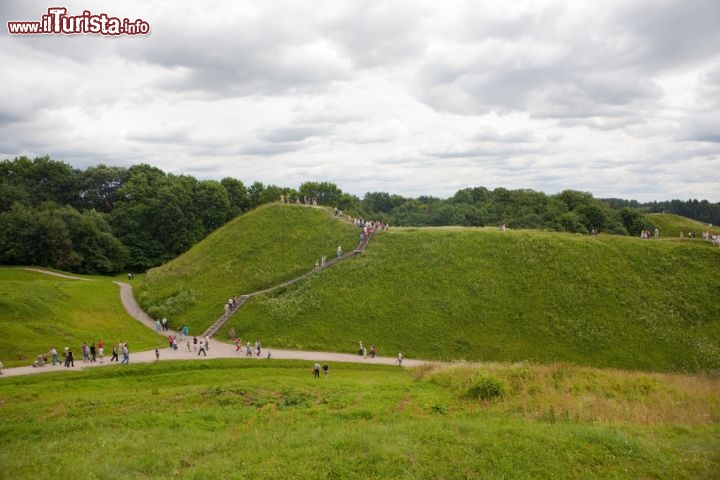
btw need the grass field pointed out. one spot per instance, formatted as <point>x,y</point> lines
<point>257,250</point>
<point>477,294</point>
<point>564,302</point>
<point>271,419</point>
<point>39,311</point>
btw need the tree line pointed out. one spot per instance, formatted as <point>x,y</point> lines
<point>107,219</point>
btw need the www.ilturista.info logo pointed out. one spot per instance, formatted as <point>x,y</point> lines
<point>57,22</point>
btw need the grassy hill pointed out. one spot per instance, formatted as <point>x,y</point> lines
<point>476,294</point>
<point>39,311</point>
<point>271,419</point>
<point>257,250</point>
<point>670,225</point>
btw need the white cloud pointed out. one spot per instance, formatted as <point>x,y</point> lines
<point>410,97</point>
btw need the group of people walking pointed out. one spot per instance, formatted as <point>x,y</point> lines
<point>90,354</point>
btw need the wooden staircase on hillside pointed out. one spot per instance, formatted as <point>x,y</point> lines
<point>217,325</point>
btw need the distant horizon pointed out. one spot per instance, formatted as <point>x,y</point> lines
<point>249,182</point>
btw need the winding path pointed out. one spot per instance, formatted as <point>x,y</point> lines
<point>217,349</point>
<point>55,274</point>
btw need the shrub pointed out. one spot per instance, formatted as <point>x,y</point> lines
<point>486,388</point>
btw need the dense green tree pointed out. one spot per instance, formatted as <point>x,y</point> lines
<point>237,194</point>
<point>570,222</point>
<point>633,220</point>
<point>211,203</point>
<point>381,202</point>
<point>100,185</point>
<point>39,180</point>
<point>325,193</point>
<point>59,237</point>
<point>574,198</point>
<point>271,193</point>
<point>255,193</point>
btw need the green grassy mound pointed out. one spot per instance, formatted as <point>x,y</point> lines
<point>39,311</point>
<point>271,419</point>
<point>475,294</point>
<point>257,250</point>
<point>670,225</point>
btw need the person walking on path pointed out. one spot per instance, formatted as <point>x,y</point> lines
<point>157,355</point>
<point>101,350</point>
<point>69,359</point>
<point>92,352</point>
<point>316,370</point>
<point>125,353</point>
<point>202,349</point>
<point>207,343</point>
<point>54,354</point>
<point>114,357</point>
<point>400,359</point>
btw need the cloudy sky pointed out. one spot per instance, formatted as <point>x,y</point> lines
<point>618,98</point>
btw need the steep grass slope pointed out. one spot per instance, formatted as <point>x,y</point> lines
<point>257,250</point>
<point>670,225</point>
<point>39,311</point>
<point>455,293</point>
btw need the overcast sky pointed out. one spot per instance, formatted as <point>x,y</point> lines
<point>618,98</point>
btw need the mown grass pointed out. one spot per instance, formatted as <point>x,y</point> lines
<point>260,249</point>
<point>39,311</point>
<point>670,225</point>
<point>476,294</point>
<point>271,419</point>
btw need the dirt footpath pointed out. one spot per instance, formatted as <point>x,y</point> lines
<point>216,350</point>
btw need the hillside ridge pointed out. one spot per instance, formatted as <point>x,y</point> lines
<point>234,307</point>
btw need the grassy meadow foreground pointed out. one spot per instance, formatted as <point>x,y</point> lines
<point>271,419</point>
<point>39,311</point>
